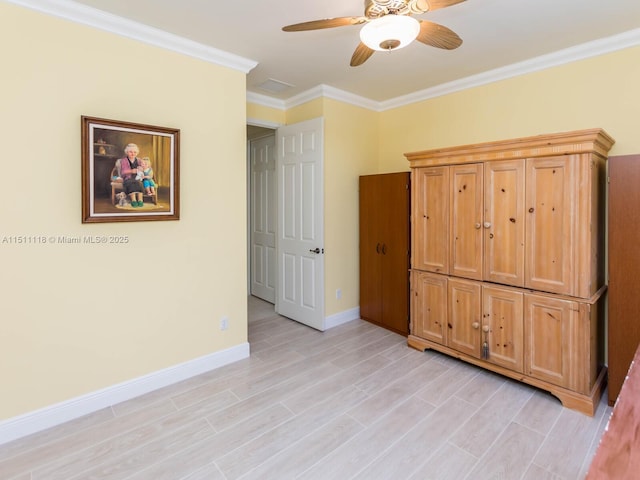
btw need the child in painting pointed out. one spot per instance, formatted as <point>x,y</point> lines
<point>147,177</point>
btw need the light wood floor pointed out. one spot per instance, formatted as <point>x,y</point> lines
<point>350,403</point>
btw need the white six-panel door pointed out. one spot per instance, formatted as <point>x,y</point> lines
<point>300,239</point>
<point>263,218</point>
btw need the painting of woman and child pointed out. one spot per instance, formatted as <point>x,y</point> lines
<point>129,171</point>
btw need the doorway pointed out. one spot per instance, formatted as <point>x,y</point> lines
<point>262,213</point>
<point>285,219</point>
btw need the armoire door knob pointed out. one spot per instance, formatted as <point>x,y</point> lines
<point>487,224</point>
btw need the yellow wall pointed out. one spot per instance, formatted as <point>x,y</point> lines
<point>78,318</point>
<point>269,115</point>
<point>598,92</point>
<point>306,111</point>
<point>350,151</point>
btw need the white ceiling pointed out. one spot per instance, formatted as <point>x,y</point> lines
<point>496,33</point>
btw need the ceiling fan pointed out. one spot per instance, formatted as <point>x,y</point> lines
<point>388,25</point>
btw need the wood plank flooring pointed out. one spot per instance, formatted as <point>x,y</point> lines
<point>350,403</point>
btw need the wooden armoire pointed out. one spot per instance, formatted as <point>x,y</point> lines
<point>624,268</point>
<point>384,250</point>
<point>508,259</point>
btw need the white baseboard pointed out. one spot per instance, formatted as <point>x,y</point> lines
<point>23,425</point>
<point>342,317</point>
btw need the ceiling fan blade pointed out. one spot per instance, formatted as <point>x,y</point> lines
<point>326,23</point>
<point>430,5</point>
<point>361,55</point>
<point>438,36</point>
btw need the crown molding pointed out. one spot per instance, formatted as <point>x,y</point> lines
<point>304,97</point>
<point>561,57</point>
<point>266,101</point>
<point>108,22</point>
<point>320,91</point>
<point>333,93</point>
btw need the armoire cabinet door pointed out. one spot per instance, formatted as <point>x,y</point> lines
<point>503,315</point>
<point>465,316</point>
<point>504,222</point>
<point>429,306</point>
<point>430,220</point>
<point>384,250</point>
<point>551,338</point>
<point>466,221</point>
<point>394,211</point>
<point>370,259</point>
<point>549,208</point>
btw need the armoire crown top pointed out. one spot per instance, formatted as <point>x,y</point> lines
<point>594,141</point>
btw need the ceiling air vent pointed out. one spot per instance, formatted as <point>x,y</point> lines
<point>274,86</point>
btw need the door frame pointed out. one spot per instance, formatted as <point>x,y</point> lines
<point>272,126</point>
<point>263,177</point>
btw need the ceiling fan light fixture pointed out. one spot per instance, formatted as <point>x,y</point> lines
<point>390,32</point>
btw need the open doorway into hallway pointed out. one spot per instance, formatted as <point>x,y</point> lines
<point>261,221</point>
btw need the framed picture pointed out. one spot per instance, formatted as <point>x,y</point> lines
<point>130,172</point>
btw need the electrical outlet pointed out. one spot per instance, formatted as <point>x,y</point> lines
<point>224,323</point>
<point>338,294</point>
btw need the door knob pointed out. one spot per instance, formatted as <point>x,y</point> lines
<point>315,250</point>
<point>475,325</point>
<point>478,226</point>
<point>487,224</point>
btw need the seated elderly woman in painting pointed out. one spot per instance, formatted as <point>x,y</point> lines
<point>129,167</point>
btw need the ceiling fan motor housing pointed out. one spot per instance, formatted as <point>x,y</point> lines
<point>380,8</point>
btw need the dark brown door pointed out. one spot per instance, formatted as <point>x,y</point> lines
<point>370,249</point>
<point>384,250</point>
<point>624,268</point>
